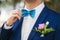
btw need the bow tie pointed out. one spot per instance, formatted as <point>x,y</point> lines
<point>25,13</point>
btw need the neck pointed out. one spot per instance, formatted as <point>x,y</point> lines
<point>32,4</point>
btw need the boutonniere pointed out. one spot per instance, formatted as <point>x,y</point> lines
<point>43,29</point>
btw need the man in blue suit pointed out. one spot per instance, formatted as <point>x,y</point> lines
<point>22,23</point>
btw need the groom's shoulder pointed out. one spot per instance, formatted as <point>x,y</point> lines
<point>51,12</point>
<point>54,13</point>
<point>55,16</point>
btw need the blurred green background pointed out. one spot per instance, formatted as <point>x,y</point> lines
<point>53,4</point>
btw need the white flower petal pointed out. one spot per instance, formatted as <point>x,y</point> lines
<point>47,22</point>
<point>42,35</point>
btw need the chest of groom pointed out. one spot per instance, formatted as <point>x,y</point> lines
<point>46,15</point>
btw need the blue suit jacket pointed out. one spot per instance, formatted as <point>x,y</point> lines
<point>46,15</point>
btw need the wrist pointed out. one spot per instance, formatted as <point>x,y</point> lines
<point>8,24</point>
<point>7,27</point>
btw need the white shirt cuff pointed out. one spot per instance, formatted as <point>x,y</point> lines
<point>7,27</point>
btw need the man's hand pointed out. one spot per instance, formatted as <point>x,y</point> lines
<point>16,14</point>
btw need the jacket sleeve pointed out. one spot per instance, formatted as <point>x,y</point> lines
<point>5,34</point>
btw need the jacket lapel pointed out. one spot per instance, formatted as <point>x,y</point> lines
<point>40,19</point>
<point>17,23</point>
<point>17,30</point>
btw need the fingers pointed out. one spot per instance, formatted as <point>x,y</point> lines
<point>16,16</point>
<point>16,13</point>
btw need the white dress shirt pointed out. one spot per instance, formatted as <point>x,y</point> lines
<point>28,22</point>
